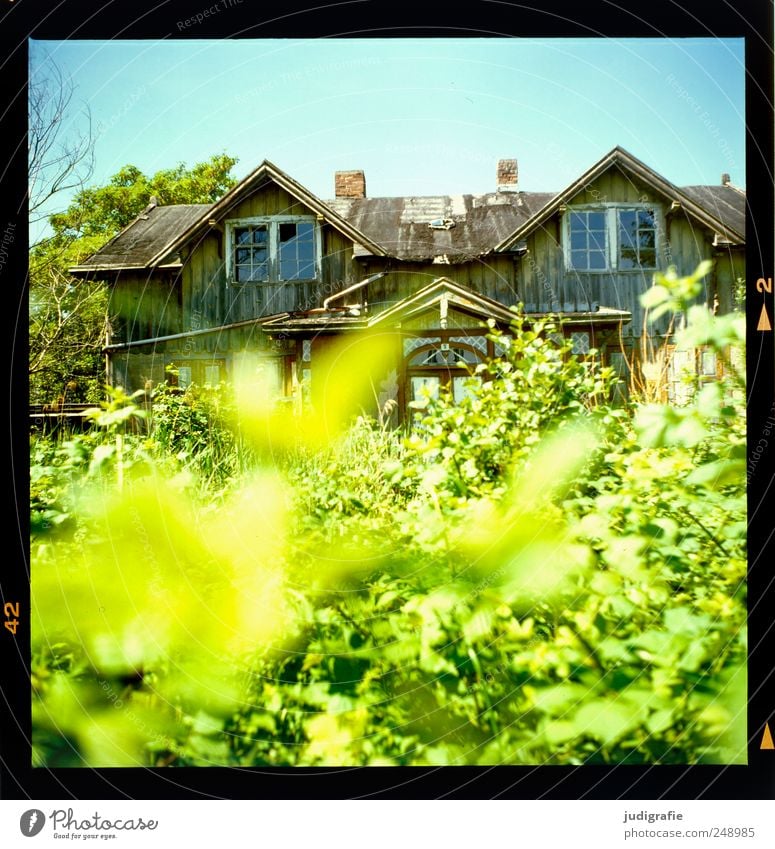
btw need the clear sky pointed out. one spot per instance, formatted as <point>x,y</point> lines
<point>420,116</point>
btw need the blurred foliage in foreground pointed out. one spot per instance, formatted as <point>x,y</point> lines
<point>529,576</point>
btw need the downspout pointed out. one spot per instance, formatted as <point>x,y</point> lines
<point>353,288</point>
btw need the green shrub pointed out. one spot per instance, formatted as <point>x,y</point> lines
<point>530,576</point>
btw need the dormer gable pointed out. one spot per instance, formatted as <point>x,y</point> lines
<point>238,206</point>
<point>584,194</point>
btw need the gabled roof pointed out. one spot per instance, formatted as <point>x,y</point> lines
<point>154,238</point>
<point>266,172</point>
<point>143,238</point>
<point>471,226</point>
<point>443,293</point>
<point>619,157</point>
<point>727,203</point>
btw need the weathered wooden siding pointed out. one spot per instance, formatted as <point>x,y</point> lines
<point>248,301</point>
<point>615,186</point>
<point>144,305</point>
<point>135,367</point>
<point>455,321</point>
<point>134,370</point>
<point>491,276</point>
<point>730,267</point>
<point>203,281</point>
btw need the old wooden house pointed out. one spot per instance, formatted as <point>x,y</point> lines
<point>273,272</point>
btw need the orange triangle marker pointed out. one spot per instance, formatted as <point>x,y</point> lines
<point>764,320</point>
<point>767,738</point>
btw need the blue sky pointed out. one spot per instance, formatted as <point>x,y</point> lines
<point>420,116</point>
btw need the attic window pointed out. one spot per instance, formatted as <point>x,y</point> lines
<point>296,250</point>
<point>637,238</point>
<point>251,253</point>
<point>273,249</point>
<point>610,238</point>
<point>588,240</point>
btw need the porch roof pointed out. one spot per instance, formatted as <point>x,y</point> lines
<point>441,294</point>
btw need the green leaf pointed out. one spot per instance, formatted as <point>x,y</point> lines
<point>683,621</point>
<point>559,700</point>
<point>479,624</point>
<point>660,721</point>
<point>100,455</point>
<point>559,731</point>
<point>654,296</point>
<point>605,720</point>
<point>719,474</point>
<point>693,657</point>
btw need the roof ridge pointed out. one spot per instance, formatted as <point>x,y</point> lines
<point>714,186</point>
<point>170,205</point>
<point>449,195</point>
<point>729,185</point>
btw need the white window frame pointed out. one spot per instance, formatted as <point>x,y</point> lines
<point>611,211</point>
<point>273,223</point>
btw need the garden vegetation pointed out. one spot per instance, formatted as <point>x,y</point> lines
<point>533,575</point>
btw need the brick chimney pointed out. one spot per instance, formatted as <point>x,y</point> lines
<point>350,184</point>
<point>507,175</point>
<point>725,180</point>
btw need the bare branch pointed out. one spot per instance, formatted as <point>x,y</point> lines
<point>58,306</point>
<point>59,160</point>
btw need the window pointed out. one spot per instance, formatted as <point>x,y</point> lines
<point>708,364</point>
<point>435,364</point>
<point>588,241</point>
<point>212,375</point>
<point>611,238</point>
<point>184,377</point>
<point>637,239</point>
<point>464,387</point>
<point>443,355</point>
<point>251,253</point>
<point>425,385</point>
<point>680,375</point>
<point>579,343</point>
<point>264,250</point>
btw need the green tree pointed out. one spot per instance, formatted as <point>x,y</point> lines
<point>67,316</point>
<point>104,210</point>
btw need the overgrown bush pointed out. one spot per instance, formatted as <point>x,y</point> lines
<point>197,427</point>
<point>530,576</point>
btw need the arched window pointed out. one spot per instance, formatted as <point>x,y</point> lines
<point>437,365</point>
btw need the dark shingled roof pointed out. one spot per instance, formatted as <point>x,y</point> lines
<point>401,224</point>
<point>141,240</point>
<point>724,202</point>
